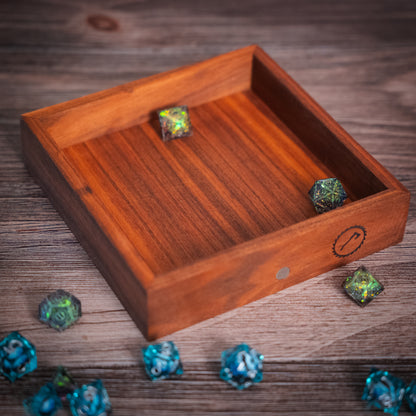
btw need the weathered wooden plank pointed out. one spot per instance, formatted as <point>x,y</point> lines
<point>315,388</point>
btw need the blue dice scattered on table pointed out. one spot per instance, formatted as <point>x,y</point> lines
<point>162,361</point>
<point>241,366</point>
<point>384,391</point>
<point>17,356</point>
<point>90,400</point>
<point>45,402</point>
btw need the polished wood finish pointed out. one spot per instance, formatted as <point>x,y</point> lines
<point>355,58</point>
<point>192,228</point>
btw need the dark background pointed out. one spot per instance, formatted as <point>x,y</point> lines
<point>356,58</point>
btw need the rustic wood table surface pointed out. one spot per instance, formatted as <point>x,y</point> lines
<point>356,58</point>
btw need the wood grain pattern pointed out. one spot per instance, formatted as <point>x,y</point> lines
<point>357,59</point>
<point>190,199</point>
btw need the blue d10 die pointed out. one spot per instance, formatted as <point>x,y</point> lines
<point>17,356</point>
<point>241,366</point>
<point>45,403</point>
<point>162,360</point>
<point>60,310</point>
<point>410,396</point>
<point>384,391</point>
<point>90,400</point>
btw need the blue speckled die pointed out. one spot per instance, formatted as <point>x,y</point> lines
<point>17,356</point>
<point>45,403</point>
<point>384,391</point>
<point>241,366</point>
<point>162,360</point>
<point>90,400</point>
<point>410,396</point>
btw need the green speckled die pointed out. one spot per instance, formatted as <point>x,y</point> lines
<point>60,310</point>
<point>175,123</point>
<point>362,286</point>
<point>63,383</point>
<point>327,194</point>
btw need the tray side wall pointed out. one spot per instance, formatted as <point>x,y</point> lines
<point>241,276</point>
<point>318,130</point>
<point>136,102</point>
<point>82,224</point>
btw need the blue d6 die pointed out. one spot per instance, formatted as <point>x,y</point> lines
<point>410,396</point>
<point>45,403</point>
<point>384,391</point>
<point>241,366</point>
<point>17,356</point>
<point>90,400</point>
<point>162,360</point>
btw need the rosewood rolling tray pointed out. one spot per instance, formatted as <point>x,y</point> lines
<point>188,229</point>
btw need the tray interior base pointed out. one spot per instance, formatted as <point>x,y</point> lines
<point>242,174</point>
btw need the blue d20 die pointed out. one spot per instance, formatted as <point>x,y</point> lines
<point>90,400</point>
<point>45,402</point>
<point>384,391</point>
<point>410,396</point>
<point>241,366</point>
<point>17,356</point>
<point>162,361</point>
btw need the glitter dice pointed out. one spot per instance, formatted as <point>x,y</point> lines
<point>17,356</point>
<point>162,361</point>
<point>90,400</point>
<point>175,123</point>
<point>241,366</point>
<point>327,194</point>
<point>384,391</point>
<point>362,286</point>
<point>60,310</point>
<point>63,383</point>
<point>410,396</point>
<point>45,403</point>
